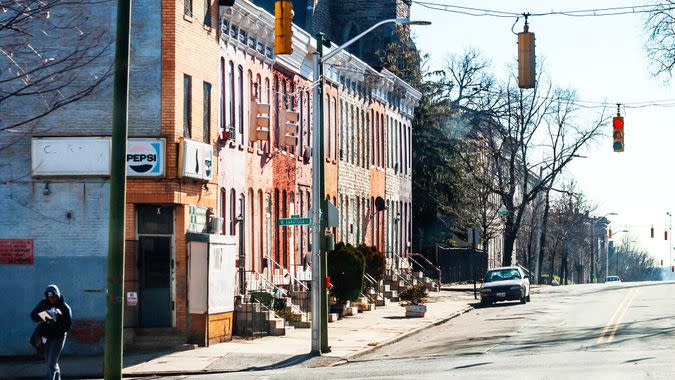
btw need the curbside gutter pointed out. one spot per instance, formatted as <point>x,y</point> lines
<point>392,340</point>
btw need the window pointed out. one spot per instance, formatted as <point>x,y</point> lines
<point>207,13</point>
<point>187,10</point>
<point>232,109</point>
<point>187,106</point>
<point>335,128</point>
<point>327,130</point>
<point>250,96</point>
<point>343,150</point>
<point>207,113</point>
<point>240,78</point>
<point>223,209</point>
<point>223,104</point>
<point>233,211</point>
<point>276,111</point>
<point>301,129</point>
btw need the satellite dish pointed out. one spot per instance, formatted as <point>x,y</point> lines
<point>379,204</point>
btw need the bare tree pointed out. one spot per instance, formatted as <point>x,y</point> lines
<point>660,46</point>
<point>531,136</point>
<point>51,55</point>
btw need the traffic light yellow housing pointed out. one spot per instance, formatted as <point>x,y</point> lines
<point>283,27</point>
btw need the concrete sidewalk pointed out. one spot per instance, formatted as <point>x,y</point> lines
<point>349,338</point>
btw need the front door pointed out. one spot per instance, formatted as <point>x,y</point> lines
<point>155,281</point>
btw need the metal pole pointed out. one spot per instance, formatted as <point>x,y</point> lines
<point>317,167</point>
<point>322,199</point>
<point>114,317</point>
<point>590,279</point>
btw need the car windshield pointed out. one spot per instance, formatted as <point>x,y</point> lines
<point>502,274</point>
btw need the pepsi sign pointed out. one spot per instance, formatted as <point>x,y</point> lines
<point>145,157</point>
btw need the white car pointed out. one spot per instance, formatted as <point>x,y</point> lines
<point>505,284</point>
<point>613,279</point>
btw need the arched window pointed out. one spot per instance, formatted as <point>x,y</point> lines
<point>233,211</point>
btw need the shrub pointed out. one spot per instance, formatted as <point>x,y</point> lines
<point>414,295</point>
<point>345,269</point>
<point>376,262</point>
<point>264,298</point>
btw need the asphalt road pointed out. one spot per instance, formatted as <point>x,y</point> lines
<point>620,331</point>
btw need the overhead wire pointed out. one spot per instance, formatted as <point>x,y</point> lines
<point>591,12</point>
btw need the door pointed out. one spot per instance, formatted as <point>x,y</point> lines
<point>155,268</point>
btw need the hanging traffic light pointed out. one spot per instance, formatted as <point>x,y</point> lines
<point>665,235</point>
<point>526,57</point>
<point>617,123</point>
<point>652,232</point>
<point>283,27</point>
<point>661,262</point>
<point>610,233</point>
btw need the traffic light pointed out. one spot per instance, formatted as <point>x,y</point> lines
<point>259,121</point>
<point>226,3</point>
<point>652,232</point>
<point>665,235</point>
<point>283,27</point>
<point>610,233</point>
<point>617,122</point>
<point>288,133</point>
<point>526,58</point>
<point>661,262</point>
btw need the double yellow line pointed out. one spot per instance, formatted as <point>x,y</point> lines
<point>609,330</point>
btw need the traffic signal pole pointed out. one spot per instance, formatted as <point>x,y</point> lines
<point>115,279</point>
<point>319,313</point>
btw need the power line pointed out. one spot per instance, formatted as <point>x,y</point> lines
<point>592,12</point>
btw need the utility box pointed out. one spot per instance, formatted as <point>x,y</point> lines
<point>211,287</point>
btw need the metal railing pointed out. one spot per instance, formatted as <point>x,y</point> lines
<point>437,269</point>
<point>285,273</point>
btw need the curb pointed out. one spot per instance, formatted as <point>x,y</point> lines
<point>392,340</point>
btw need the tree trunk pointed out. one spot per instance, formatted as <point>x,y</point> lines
<point>509,241</point>
<point>542,239</point>
<point>550,272</point>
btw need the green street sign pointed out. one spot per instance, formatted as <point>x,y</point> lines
<point>294,220</point>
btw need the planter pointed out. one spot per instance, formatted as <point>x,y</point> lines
<point>415,311</point>
<point>338,309</point>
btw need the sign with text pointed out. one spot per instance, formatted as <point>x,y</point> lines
<point>198,219</point>
<point>294,220</point>
<point>16,251</point>
<point>70,156</point>
<point>195,160</point>
<point>132,299</point>
<point>145,157</point>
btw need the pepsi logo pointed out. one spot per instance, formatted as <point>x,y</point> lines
<point>141,158</point>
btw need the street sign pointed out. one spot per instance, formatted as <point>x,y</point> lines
<point>294,220</point>
<point>474,235</point>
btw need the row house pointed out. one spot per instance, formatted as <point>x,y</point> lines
<point>206,187</point>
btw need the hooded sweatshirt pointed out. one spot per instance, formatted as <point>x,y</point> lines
<point>60,312</point>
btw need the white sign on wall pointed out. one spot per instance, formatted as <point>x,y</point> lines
<point>196,160</point>
<point>146,157</point>
<point>70,156</point>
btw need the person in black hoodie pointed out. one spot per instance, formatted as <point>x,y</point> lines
<point>53,328</point>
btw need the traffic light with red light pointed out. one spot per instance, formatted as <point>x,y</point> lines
<point>617,123</point>
<point>665,235</point>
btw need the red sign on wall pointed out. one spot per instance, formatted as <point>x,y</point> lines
<point>16,251</point>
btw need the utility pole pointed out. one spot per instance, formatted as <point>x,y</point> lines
<point>114,316</point>
<point>319,313</point>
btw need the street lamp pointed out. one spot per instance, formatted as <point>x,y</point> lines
<point>319,203</point>
<point>596,220</point>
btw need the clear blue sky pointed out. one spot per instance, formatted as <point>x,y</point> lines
<point>603,58</point>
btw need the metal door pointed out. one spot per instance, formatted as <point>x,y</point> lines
<point>155,272</point>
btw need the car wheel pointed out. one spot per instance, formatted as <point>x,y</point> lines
<point>523,299</point>
<point>527,298</point>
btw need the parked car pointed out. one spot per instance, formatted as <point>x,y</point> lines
<point>505,284</point>
<point>613,279</point>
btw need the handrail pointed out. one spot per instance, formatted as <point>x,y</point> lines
<point>283,291</point>
<point>293,278</point>
<point>428,262</point>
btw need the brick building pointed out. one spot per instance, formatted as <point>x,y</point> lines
<point>196,71</point>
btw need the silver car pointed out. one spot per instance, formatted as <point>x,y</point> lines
<point>505,284</point>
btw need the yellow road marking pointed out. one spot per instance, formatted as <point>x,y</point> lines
<point>616,313</point>
<point>618,321</point>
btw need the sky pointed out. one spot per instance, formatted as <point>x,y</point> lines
<point>603,59</point>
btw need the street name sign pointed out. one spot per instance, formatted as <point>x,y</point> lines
<point>294,220</point>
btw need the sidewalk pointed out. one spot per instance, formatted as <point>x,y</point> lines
<point>348,338</point>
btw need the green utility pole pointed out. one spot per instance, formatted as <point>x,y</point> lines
<point>324,209</point>
<point>114,316</point>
